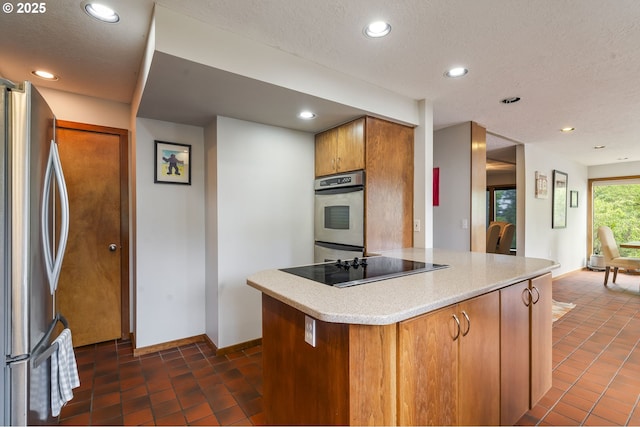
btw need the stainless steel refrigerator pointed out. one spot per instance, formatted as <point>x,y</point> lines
<point>34,218</point>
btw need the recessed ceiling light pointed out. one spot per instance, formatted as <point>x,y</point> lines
<point>377,29</point>
<point>456,72</point>
<point>598,147</point>
<point>45,75</point>
<point>307,115</point>
<point>101,12</point>
<point>567,129</point>
<point>510,100</point>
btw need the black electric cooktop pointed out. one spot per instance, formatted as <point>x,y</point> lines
<point>341,274</point>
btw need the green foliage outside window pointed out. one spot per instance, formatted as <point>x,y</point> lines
<point>618,207</point>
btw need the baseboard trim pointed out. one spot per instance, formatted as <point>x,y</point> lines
<point>168,345</point>
<point>191,340</point>
<point>237,347</point>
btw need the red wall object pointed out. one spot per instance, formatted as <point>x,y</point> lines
<point>436,186</point>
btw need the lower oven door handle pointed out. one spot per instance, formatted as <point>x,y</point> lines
<point>338,246</point>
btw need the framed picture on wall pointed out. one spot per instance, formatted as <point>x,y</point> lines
<point>172,163</point>
<point>559,205</point>
<point>541,185</point>
<point>573,199</point>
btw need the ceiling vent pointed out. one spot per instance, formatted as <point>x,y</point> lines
<point>510,100</point>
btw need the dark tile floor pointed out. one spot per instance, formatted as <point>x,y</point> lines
<point>596,371</point>
<point>188,385</point>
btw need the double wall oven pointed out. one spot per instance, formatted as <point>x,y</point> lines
<point>339,217</point>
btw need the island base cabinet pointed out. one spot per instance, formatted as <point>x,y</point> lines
<point>348,378</point>
<point>449,361</point>
<point>525,346</point>
<point>541,337</point>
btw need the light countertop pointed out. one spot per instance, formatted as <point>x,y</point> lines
<point>389,301</point>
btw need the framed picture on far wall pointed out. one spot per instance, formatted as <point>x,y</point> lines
<point>172,163</point>
<point>573,199</point>
<point>559,205</point>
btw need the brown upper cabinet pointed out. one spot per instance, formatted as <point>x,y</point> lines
<point>384,150</point>
<point>340,149</point>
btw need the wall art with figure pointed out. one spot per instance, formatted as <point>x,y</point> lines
<point>172,163</point>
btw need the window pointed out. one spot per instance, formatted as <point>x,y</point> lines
<point>616,204</point>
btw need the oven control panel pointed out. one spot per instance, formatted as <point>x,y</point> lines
<point>343,180</point>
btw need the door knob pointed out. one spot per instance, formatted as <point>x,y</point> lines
<point>113,247</point>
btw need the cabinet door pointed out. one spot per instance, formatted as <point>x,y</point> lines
<point>479,361</point>
<point>350,146</point>
<point>428,369</point>
<point>389,160</point>
<point>326,143</point>
<point>514,352</point>
<point>541,337</point>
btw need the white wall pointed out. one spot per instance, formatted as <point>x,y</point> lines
<point>170,252</point>
<point>86,109</point>
<point>423,176</point>
<point>615,169</point>
<point>452,154</point>
<point>211,230</point>
<point>265,217</point>
<point>191,39</point>
<point>567,245</point>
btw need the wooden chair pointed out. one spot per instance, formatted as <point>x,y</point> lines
<point>612,258</point>
<point>500,244</point>
<point>493,234</point>
<point>506,236</point>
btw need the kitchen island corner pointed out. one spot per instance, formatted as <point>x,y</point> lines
<point>406,350</point>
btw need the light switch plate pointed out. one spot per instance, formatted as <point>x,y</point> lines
<point>310,330</point>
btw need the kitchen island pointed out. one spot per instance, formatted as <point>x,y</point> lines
<point>468,344</point>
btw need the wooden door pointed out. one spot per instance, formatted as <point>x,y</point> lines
<point>479,362</point>
<point>325,160</point>
<point>428,369</point>
<point>90,291</point>
<point>350,147</point>
<point>514,352</point>
<point>541,337</point>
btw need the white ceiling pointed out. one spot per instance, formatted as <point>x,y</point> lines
<point>573,62</point>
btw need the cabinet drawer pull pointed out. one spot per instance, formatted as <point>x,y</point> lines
<point>458,326</point>
<point>339,162</point>
<point>333,164</point>
<point>466,316</point>
<point>533,288</point>
<point>525,300</point>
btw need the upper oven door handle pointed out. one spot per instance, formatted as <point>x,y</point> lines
<point>341,190</point>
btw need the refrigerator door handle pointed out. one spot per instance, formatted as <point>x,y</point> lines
<point>54,260</point>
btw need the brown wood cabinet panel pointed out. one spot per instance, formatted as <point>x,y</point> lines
<point>326,146</point>
<point>389,185</point>
<point>451,376</point>
<point>303,384</point>
<point>541,337</point>
<point>372,361</point>
<point>478,228</point>
<point>349,377</point>
<point>479,367</point>
<point>428,369</point>
<point>514,352</point>
<point>350,147</point>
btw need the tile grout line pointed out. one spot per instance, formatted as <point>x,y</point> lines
<point>615,374</point>
<point>564,393</point>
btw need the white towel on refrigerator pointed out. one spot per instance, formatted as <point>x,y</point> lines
<point>64,372</point>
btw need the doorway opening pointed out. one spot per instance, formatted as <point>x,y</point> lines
<point>501,200</point>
